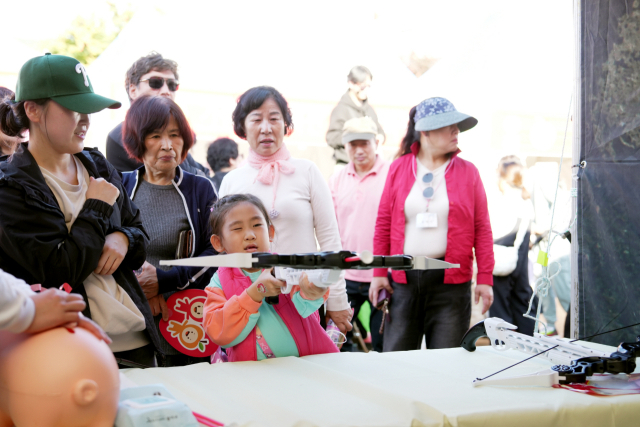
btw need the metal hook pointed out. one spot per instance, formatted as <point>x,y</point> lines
<point>581,165</point>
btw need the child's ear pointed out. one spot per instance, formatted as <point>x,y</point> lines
<point>272,232</point>
<point>216,242</point>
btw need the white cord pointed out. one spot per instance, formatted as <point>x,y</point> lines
<point>543,283</point>
<point>541,289</point>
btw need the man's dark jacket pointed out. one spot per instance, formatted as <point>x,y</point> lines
<point>37,247</point>
<point>217,179</point>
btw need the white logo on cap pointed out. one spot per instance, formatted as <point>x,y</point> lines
<point>80,69</point>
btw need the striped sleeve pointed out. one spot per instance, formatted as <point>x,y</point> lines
<point>306,306</point>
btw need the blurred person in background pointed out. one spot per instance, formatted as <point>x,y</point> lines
<point>511,216</point>
<point>354,103</point>
<point>293,190</point>
<point>223,157</point>
<point>560,263</point>
<point>356,192</point>
<point>149,75</point>
<point>433,205</point>
<point>174,204</point>
<point>8,143</point>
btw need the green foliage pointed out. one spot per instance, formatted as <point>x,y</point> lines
<point>87,38</point>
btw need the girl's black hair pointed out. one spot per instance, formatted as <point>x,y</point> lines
<point>222,206</point>
<point>410,137</point>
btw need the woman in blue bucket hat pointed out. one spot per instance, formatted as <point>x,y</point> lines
<point>433,205</point>
<point>65,217</point>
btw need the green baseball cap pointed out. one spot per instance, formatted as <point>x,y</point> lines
<point>62,79</point>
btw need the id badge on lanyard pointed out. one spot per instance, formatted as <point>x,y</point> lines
<point>427,220</point>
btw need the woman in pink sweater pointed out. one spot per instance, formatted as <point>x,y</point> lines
<point>433,205</point>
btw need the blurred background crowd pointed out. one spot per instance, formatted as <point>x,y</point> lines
<point>510,64</point>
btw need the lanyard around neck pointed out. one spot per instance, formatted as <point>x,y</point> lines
<point>414,166</point>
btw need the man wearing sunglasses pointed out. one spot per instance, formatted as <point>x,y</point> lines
<point>149,75</point>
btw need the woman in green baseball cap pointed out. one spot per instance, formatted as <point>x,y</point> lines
<point>65,217</point>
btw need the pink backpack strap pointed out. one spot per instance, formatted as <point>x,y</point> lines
<point>307,333</point>
<point>233,282</point>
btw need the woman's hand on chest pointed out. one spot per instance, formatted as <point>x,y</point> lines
<point>115,249</point>
<point>101,189</point>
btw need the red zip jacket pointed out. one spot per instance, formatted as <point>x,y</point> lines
<point>469,225</point>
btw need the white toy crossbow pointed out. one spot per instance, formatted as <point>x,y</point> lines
<point>574,362</point>
<point>322,268</point>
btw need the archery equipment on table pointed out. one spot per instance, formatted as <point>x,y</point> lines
<point>574,362</point>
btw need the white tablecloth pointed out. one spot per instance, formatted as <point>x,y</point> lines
<point>413,388</point>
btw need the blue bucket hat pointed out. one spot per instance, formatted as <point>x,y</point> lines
<point>436,113</point>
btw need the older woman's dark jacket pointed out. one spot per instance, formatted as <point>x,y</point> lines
<point>198,195</point>
<point>37,247</point>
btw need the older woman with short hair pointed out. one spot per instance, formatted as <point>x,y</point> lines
<point>172,202</point>
<point>293,190</point>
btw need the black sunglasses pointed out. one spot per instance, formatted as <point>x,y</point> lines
<point>158,82</point>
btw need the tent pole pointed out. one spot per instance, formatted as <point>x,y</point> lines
<point>576,155</point>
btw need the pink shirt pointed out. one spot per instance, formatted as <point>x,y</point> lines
<point>356,201</point>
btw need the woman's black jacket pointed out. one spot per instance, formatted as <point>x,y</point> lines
<point>36,246</point>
